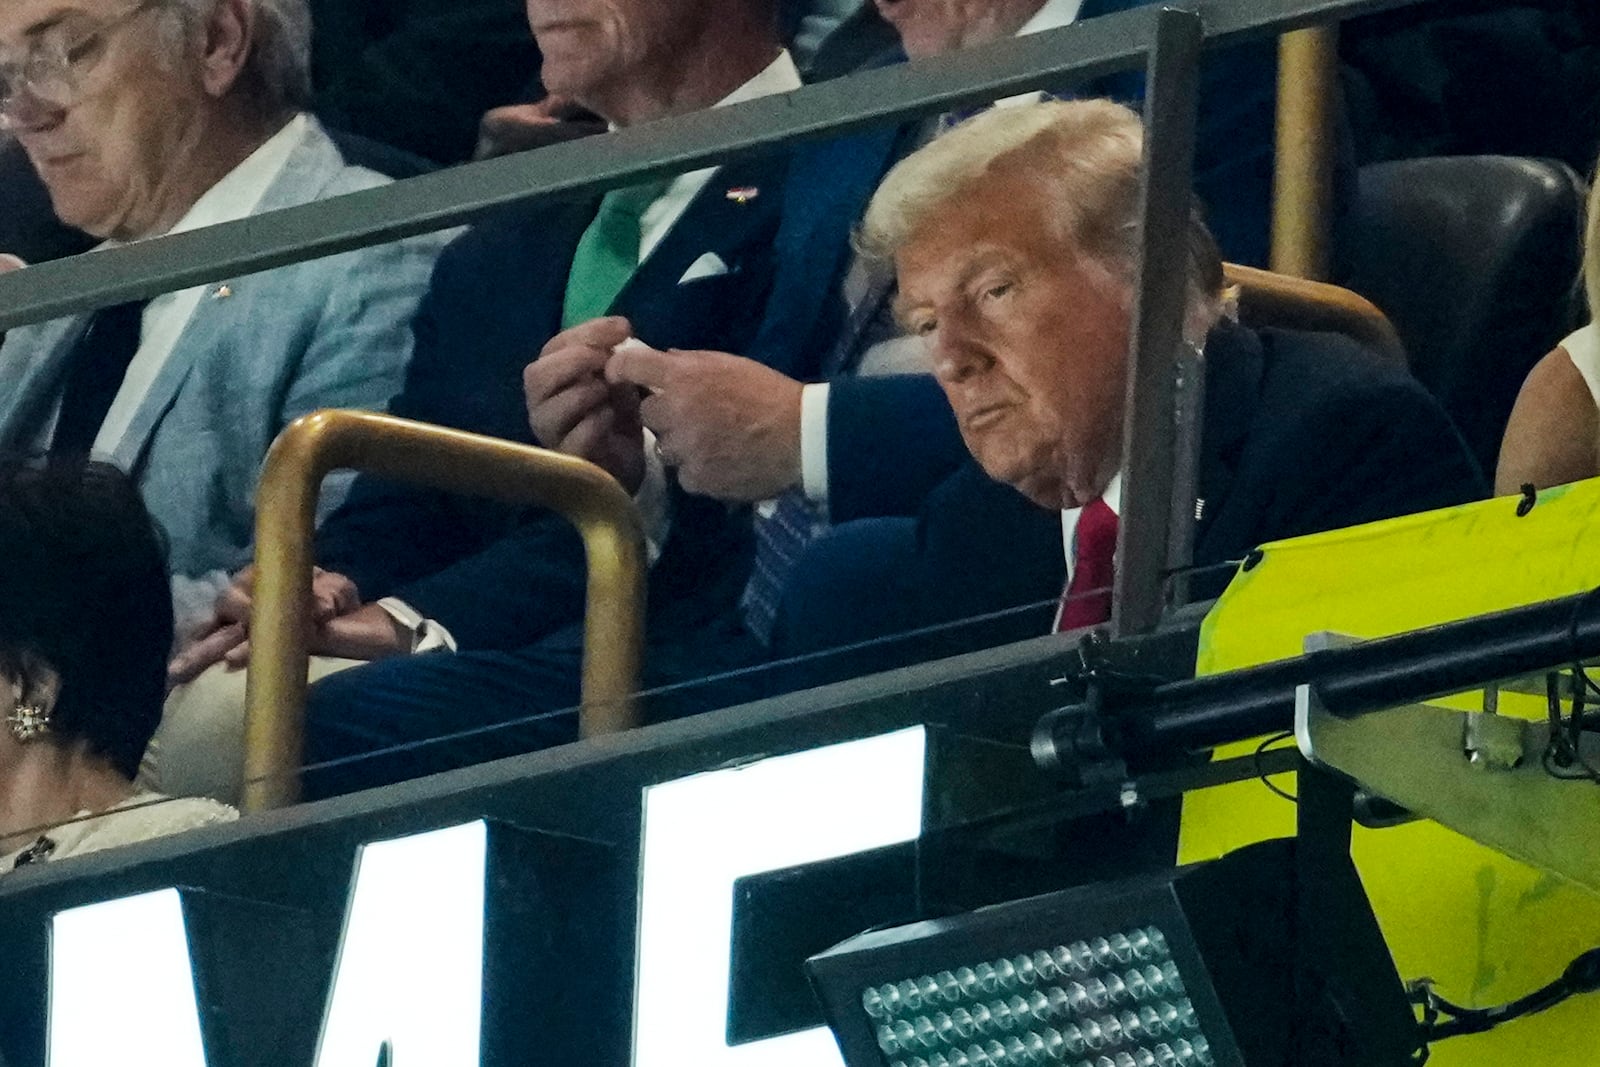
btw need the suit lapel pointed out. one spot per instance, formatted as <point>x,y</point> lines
<point>829,186</point>
<point>304,175</point>
<point>31,375</point>
<point>716,222</point>
<point>1234,369</point>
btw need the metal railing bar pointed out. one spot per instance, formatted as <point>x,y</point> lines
<point>472,192</point>
<point>1149,447</point>
<point>573,170</point>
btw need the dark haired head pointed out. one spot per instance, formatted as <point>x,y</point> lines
<point>84,590</point>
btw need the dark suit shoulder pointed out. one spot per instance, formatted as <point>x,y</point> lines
<point>516,238</point>
<point>1324,383</point>
<point>1340,437</point>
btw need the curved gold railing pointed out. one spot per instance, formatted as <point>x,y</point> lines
<point>1270,299</point>
<point>455,462</point>
<point>1308,106</point>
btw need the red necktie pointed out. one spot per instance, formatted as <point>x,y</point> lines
<point>1087,599</point>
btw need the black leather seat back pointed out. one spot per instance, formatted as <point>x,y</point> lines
<point>1475,259</point>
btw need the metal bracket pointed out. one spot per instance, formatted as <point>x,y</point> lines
<point>1481,775</point>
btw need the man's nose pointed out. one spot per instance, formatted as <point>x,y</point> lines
<point>957,355</point>
<point>26,112</point>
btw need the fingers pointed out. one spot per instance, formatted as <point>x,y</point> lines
<point>233,605</point>
<point>604,333</point>
<point>189,664</point>
<point>238,657</point>
<point>643,366</point>
<point>560,415</point>
<point>589,437</point>
<point>332,595</point>
<point>561,387</point>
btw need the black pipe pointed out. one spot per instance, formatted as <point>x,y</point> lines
<point>1203,713</point>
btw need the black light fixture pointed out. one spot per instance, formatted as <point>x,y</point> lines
<point>1192,968</point>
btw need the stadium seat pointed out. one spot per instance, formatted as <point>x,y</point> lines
<point>1475,260</point>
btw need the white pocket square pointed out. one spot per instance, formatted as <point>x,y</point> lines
<point>709,265</point>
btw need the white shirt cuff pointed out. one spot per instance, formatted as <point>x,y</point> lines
<point>814,443</point>
<point>654,500</point>
<point>426,634</point>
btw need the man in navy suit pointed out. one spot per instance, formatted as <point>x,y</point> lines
<point>1016,274</point>
<point>687,263</point>
<point>877,436</point>
<point>510,606</point>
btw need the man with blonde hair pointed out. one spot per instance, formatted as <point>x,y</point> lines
<point>1014,239</point>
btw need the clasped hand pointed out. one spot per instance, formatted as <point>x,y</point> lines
<point>729,426</point>
<point>341,626</point>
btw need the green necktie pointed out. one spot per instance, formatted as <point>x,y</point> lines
<point>608,254</point>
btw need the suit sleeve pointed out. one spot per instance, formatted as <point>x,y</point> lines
<point>384,531</point>
<point>358,356</point>
<point>494,576</point>
<point>891,440</point>
<point>980,565</point>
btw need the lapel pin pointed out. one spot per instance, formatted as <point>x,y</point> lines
<point>743,194</point>
<point>222,292</point>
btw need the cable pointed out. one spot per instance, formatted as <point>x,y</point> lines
<point>1562,754</point>
<point>1581,976</point>
<point>1261,772</point>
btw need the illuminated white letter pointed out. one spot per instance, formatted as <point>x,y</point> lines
<point>121,986</point>
<point>702,833</point>
<point>410,968</point>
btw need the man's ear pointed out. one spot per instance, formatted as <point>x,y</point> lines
<point>226,44</point>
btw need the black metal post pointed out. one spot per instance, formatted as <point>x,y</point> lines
<point>1149,448</point>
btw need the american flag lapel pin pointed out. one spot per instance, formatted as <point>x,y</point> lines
<point>743,194</point>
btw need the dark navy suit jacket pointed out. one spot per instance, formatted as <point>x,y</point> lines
<point>892,439</point>
<point>1303,433</point>
<point>502,578</point>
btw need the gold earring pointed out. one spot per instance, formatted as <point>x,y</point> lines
<point>28,721</point>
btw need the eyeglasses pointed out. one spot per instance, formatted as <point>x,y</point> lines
<point>52,72</point>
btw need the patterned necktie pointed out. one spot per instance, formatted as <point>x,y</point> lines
<point>783,531</point>
<point>95,369</point>
<point>608,253</point>
<point>1087,599</point>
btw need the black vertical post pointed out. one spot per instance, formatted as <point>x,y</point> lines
<point>1324,814</point>
<point>1149,451</point>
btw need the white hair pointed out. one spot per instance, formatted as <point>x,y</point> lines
<point>1086,155</point>
<point>279,66</point>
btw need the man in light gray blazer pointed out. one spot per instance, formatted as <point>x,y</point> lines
<point>164,116</point>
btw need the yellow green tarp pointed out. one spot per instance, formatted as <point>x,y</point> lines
<point>1485,927</point>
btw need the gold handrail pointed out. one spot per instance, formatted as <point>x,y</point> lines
<point>1302,198</point>
<point>455,462</point>
<point>1270,299</point>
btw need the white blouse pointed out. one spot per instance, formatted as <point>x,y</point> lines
<point>1583,348</point>
<point>139,818</point>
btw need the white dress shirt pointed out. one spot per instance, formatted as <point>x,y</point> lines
<point>232,198</point>
<point>900,355</point>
